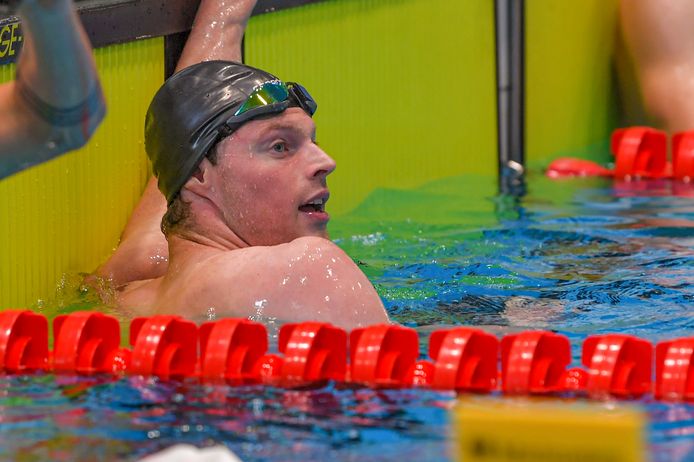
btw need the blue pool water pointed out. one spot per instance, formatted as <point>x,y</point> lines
<point>578,257</point>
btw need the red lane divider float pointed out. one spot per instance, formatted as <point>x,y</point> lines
<point>683,156</point>
<point>462,359</point>
<point>674,370</point>
<point>313,352</point>
<point>88,342</point>
<point>618,365</point>
<point>383,355</point>
<point>23,341</point>
<point>231,350</point>
<point>640,153</point>
<point>534,362</point>
<point>465,359</point>
<point>164,346</point>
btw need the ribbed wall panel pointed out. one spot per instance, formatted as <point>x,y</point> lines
<point>571,98</point>
<point>66,215</point>
<point>405,88</point>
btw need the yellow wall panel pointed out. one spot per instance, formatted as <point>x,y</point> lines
<point>571,97</point>
<point>67,214</point>
<point>406,92</point>
<point>405,88</point>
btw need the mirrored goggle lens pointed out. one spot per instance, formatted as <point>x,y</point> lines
<point>266,94</point>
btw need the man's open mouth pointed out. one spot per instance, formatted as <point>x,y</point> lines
<point>316,205</point>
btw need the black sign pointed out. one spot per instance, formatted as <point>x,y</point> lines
<point>11,40</point>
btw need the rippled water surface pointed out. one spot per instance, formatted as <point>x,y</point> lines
<point>578,257</point>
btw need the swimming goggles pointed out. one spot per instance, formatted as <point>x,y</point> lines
<point>273,96</point>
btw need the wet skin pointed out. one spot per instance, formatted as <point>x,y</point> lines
<point>258,245</point>
<point>267,174</point>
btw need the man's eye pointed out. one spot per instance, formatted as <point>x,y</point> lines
<point>279,147</point>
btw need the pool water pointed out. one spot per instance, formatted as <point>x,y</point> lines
<point>578,257</point>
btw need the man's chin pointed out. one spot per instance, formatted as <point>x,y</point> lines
<point>315,231</point>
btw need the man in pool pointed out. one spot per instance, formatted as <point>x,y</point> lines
<point>55,103</point>
<point>234,150</point>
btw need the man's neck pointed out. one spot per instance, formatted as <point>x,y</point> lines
<point>209,234</point>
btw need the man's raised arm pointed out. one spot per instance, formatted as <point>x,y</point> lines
<point>143,253</point>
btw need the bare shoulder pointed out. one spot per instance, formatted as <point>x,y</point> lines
<point>311,248</point>
<point>302,254</point>
<point>310,278</point>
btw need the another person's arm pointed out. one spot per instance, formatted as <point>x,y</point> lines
<point>659,36</point>
<point>143,252</point>
<point>55,102</point>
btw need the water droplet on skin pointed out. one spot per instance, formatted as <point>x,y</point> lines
<point>158,259</point>
<point>259,307</point>
<point>211,314</point>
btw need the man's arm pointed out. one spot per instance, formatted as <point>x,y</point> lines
<point>660,40</point>
<point>217,32</point>
<point>143,252</point>
<point>55,103</point>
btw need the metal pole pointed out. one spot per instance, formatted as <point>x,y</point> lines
<point>510,75</point>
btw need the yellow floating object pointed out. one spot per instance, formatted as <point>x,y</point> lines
<point>540,430</point>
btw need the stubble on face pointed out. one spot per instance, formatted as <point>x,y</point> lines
<point>262,187</point>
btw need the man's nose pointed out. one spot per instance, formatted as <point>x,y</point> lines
<point>323,164</point>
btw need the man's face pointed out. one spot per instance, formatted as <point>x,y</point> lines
<point>272,179</point>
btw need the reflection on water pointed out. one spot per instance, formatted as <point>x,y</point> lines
<point>105,419</point>
<point>578,257</point>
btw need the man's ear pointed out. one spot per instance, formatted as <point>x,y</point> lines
<point>201,182</point>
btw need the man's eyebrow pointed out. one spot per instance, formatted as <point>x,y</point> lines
<point>283,126</point>
<point>279,126</point>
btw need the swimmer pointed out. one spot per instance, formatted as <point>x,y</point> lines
<point>55,103</point>
<point>244,186</point>
<point>659,41</point>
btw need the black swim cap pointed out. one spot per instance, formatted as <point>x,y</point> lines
<point>188,116</point>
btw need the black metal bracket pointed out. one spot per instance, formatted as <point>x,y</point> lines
<point>108,22</point>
